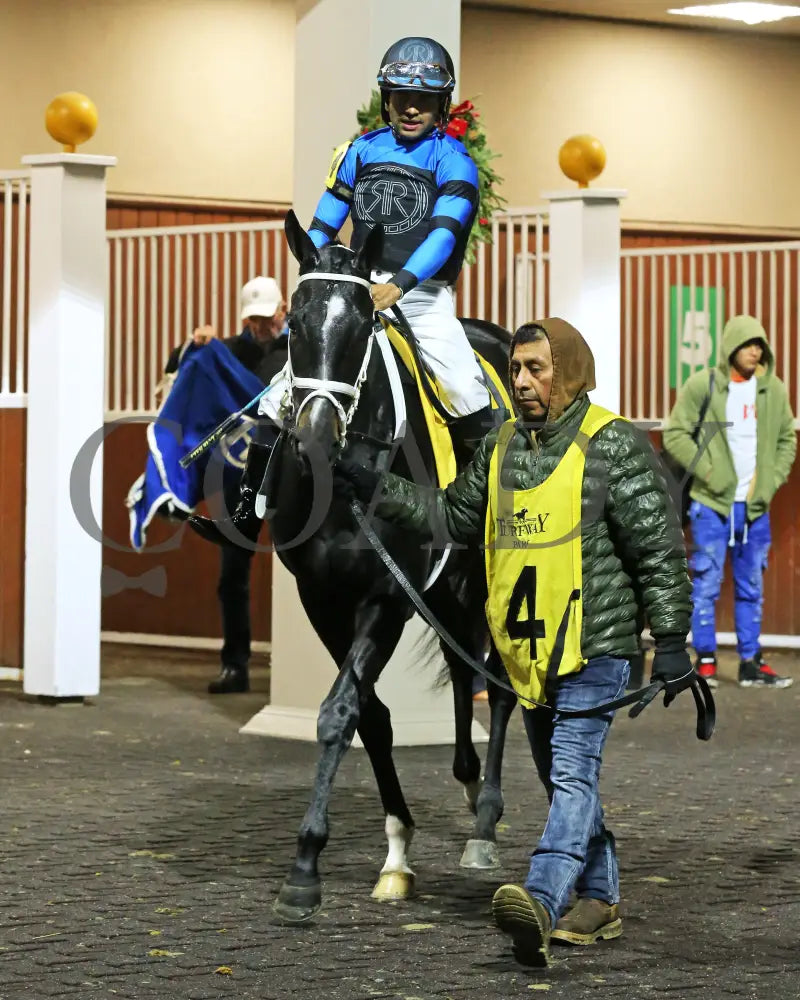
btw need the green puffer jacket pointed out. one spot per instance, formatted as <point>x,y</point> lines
<point>715,481</point>
<point>634,561</point>
<point>631,542</point>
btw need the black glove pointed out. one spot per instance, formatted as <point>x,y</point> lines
<point>351,480</point>
<point>675,669</point>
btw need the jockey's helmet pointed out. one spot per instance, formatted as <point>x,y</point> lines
<point>417,63</point>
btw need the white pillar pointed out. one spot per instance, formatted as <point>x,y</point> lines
<point>66,373</point>
<point>585,283</point>
<point>338,49</point>
<point>339,45</point>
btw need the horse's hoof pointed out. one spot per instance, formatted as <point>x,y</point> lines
<point>296,904</point>
<point>480,854</point>
<point>472,790</point>
<point>393,886</point>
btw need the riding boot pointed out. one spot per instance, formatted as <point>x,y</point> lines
<point>244,520</point>
<point>468,432</point>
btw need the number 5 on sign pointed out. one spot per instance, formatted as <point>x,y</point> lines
<point>695,328</point>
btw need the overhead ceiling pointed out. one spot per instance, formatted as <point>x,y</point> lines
<point>652,11</point>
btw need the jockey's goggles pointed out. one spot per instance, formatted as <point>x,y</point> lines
<point>404,74</point>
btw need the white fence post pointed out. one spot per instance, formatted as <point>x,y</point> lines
<point>66,371</point>
<point>585,284</point>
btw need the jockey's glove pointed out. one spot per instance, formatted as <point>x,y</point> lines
<point>352,480</point>
<point>675,669</point>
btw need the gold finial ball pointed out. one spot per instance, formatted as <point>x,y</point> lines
<point>582,158</point>
<point>71,118</point>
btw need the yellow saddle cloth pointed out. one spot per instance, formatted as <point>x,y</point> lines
<point>438,430</point>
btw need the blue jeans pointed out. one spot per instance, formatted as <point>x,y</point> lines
<point>576,849</point>
<point>711,537</point>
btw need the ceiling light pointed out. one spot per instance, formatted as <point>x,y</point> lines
<point>749,13</point>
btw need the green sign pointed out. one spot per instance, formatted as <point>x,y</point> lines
<point>693,331</point>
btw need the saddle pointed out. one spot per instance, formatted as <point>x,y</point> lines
<point>433,399</point>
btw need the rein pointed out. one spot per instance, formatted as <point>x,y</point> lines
<point>640,699</point>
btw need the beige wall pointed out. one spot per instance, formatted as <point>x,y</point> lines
<point>699,126</point>
<point>195,97</point>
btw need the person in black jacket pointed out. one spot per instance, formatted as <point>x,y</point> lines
<point>262,347</point>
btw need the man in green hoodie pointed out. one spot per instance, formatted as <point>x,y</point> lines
<point>580,537</point>
<point>741,456</point>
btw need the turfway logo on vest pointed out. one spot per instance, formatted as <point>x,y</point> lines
<point>521,525</point>
<point>394,197</point>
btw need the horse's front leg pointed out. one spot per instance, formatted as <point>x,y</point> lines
<point>481,849</point>
<point>396,880</point>
<point>376,635</point>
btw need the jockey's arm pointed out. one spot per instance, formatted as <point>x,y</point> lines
<point>334,205</point>
<point>453,212</point>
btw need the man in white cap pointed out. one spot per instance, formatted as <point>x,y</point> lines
<point>262,347</point>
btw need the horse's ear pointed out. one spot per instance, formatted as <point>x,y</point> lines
<point>300,243</point>
<point>369,253</point>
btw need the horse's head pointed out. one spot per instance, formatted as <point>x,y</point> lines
<point>330,339</point>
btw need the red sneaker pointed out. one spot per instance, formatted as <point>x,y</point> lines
<point>706,666</point>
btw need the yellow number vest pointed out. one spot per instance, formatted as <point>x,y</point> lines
<point>534,568</point>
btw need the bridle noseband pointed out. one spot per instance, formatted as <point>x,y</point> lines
<point>325,388</point>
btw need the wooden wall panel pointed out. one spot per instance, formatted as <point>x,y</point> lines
<point>12,534</point>
<point>124,214</point>
<point>189,565</point>
<point>190,605</point>
<point>162,289</point>
<point>13,380</point>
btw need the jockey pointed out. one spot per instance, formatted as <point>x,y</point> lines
<point>422,186</point>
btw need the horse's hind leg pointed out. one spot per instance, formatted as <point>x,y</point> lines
<point>377,633</point>
<point>466,763</point>
<point>396,880</point>
<point>481,849</point>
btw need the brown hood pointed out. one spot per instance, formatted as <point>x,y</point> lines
<point>573,365</point>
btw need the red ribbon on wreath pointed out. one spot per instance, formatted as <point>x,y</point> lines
<point>460,117</point>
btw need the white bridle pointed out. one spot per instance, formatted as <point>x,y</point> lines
<point>325,388</point>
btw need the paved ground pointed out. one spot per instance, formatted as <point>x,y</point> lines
<point>143,840</point>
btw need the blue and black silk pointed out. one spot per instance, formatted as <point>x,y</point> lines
<point>424,193</point>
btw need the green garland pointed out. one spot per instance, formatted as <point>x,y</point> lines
<point>464,126</point>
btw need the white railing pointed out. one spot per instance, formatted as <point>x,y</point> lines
<point>676,301</point>
<point>14,204</point>
<point>507,284</point>
<point>164,282</point>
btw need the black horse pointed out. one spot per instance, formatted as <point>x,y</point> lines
<point>339,393</point>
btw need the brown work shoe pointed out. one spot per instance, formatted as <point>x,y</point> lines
<point>525,919</point>
<point>588,921</point>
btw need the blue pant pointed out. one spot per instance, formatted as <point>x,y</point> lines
<point>711,537</point>
<point>576,849</point>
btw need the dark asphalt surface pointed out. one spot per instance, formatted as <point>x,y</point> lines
<point>143,841</point>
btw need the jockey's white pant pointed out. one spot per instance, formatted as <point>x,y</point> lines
<point>443,345</point>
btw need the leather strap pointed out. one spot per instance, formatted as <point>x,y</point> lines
<point>706,712</point>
